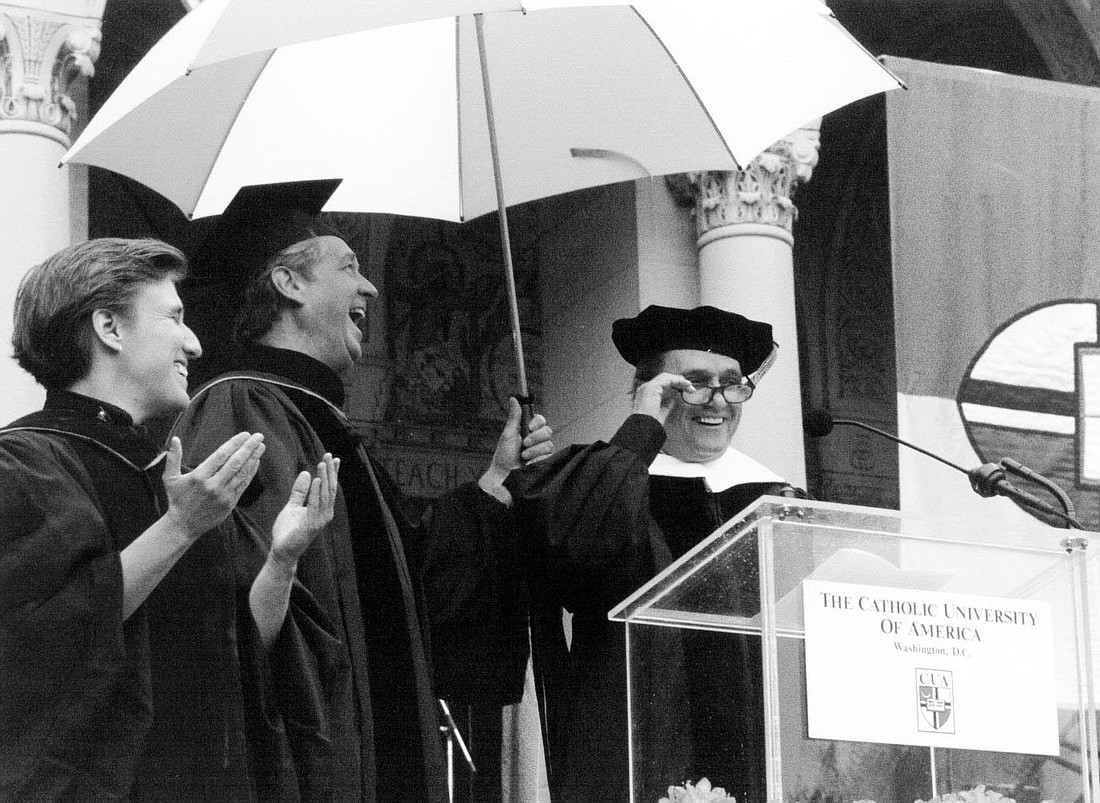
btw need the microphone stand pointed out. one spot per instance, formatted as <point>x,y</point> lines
<point>989,479</point>
<point>451,734</point>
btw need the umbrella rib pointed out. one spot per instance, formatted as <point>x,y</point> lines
<point>229,128</point>
<point>690,86</point>
<point>836,24</point>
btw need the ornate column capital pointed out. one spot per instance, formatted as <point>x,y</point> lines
<point>44,49</point>
<point>759,195</point>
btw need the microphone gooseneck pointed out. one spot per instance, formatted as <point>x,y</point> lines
<point>818,423</point>
<point>987,480</point>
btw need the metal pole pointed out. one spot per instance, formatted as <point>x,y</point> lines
<point>450,769</point>
<point>1086,701</point>
<point>502,210</point>
<point>769,652</point>
<point>932,763</point>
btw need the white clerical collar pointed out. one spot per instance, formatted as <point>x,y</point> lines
<point>732,468</point>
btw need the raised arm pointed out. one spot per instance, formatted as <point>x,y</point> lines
<point>309,509</point>
<point>514,450</point>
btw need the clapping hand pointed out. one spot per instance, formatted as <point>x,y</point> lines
<point>310,508</point>
<point>200,500</point>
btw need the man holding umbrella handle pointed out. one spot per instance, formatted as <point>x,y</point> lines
<point>350,708</point>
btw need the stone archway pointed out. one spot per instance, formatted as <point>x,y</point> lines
<point>1065,35</point>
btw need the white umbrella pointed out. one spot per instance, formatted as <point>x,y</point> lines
<point>404,106</point>
<point>580,96</point>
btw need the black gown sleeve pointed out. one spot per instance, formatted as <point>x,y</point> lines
<point>67,678</point>
<point>475,598</point>
<point>480,563</point>
<point>584,515</point>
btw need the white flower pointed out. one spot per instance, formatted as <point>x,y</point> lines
<point>979,794</point>
<point>701,792</point>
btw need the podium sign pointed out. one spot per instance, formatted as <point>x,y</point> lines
<point>908,666</point>
<point>808,650</point>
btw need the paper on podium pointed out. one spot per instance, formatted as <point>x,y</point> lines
<point>856,566</point>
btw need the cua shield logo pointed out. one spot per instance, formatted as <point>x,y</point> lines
<point>935,701</point>
<point>1032,393</point>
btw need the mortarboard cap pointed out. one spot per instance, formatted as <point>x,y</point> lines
<point>658,329</point>
<point>260,221</point>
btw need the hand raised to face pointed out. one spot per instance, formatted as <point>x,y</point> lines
<point>656,397</point>
<point>697,431</point>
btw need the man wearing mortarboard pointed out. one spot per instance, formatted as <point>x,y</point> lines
<point>344,708</point>
<point>606,518</point>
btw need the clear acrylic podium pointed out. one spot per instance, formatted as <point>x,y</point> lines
<point>745,582</point>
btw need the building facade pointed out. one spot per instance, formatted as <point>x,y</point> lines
<point>801,239</point>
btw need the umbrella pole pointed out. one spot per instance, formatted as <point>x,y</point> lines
<point>525,398</point>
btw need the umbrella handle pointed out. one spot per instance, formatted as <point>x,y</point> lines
<point>526,412</point>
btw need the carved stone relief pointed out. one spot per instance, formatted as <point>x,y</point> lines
<point>442,379</point>
<point>41,55</point>
<point>761,193</point>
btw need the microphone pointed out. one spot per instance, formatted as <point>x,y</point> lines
<point>987,480</point>
<point>1022,470</point>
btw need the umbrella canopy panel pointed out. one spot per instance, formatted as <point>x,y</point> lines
<point>400,114</point>
<point>581,97</point>
<point>378,109</point>
<point>240,27</point>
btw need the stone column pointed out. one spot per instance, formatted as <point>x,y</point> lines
<point>47,47</point>
<point>744,224</point>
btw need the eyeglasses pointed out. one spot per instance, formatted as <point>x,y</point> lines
<point>733,393</point>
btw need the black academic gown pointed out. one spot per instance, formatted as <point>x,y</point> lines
<point>600,527</point>
<point>348,708</point>
<point>75,689</point>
